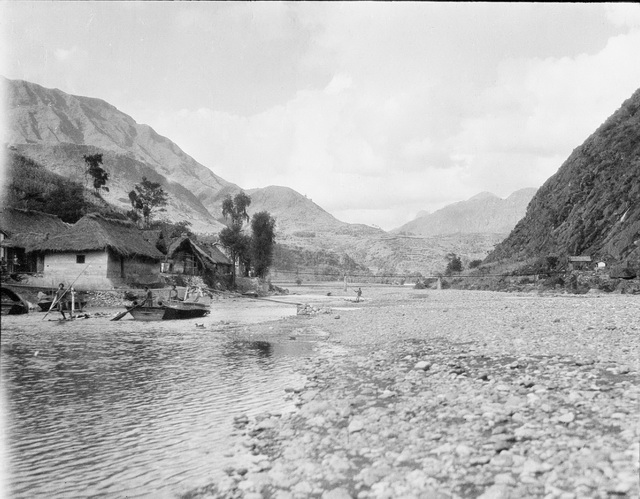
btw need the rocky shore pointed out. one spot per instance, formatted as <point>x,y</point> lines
<point>445,394</point>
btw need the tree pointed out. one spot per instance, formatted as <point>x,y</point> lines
<point>262,242</point>
<point>147,198</point>
<point>232,237</point>
<point>454,265</point>
<point>236,208</point>
<point>99,175</point>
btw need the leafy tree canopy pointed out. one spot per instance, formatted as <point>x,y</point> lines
<point>148,198</point>
<point>98,174</point>
<point>236,208</point>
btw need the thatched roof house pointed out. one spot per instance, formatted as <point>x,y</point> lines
<point>19,230</point>
<point>186,257</point>
<point>94,232</point>
<point>114,253</point>
<point>14,221</point>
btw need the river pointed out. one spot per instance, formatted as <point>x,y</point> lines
<point>132,409</point>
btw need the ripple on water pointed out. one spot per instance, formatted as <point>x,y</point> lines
<point>135,410</point>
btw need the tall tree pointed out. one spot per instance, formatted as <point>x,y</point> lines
<point>98,174</point>
<point>231,237</point>
<point>148,198</point>
<point>454,265</point>
<point>263,238</point>
<point>236,208</point>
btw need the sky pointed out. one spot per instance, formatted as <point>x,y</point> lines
<point>375,111</point>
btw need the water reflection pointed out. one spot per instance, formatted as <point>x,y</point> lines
<point>135,411</point>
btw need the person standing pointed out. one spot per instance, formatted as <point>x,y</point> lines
<point>148,298</point>
<point>57,300</point>
<point>358,295</point>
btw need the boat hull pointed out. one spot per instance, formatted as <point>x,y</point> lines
<point>170,312</point>
<point>13,303</point>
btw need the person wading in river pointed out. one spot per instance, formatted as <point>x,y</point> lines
<point>57,300</point>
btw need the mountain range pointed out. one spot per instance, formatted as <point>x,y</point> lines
<point>483,213</point>
<point>56,129</point>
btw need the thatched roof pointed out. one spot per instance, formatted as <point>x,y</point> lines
<point>14,221</point>
<point>24,240</point>
<point>94,232</point>
<point>219,257</point>
<point>184,242</point>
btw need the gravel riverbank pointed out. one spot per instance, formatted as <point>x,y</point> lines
<point>444,394</point>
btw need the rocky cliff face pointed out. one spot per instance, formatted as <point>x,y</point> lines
<point>57,129</point>
<point>591,206</point>
<point>484,213</point>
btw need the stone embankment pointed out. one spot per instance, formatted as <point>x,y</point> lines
<point>425,394</point>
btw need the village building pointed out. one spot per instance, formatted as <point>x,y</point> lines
<point>21,229</point>
<point>185,257</point>
<point>99,253</point>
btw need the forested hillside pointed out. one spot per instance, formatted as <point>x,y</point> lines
<point>591,206</point>
<point>31,186</point>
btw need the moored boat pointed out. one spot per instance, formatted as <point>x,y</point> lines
<point>13,303</point>
<point>170,311</point>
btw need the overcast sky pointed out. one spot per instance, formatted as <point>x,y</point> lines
<point>373,110</point>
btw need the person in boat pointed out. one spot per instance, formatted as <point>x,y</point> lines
<point>173,294</point>
<point>57,300</point>
<point>358,295</point>
<point>148,298</point>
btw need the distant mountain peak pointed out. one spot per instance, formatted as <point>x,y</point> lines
<point>483,213</point>
<point>483,195</point>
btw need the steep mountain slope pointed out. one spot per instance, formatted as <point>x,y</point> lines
<point>484,213</point>
<point>591,206</point>
<point>57,129</point>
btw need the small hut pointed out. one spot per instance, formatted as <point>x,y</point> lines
<point>184,256</point>
<point>21,229</point>
<point>104,253</point>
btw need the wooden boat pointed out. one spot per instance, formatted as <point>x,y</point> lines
<point>170,311</point>
<point>13,303</point>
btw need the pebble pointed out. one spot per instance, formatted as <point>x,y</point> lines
<point>462,404</point>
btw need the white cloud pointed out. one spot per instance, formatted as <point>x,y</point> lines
<point>624,14</point>
<point>64,55</point>
<point>539,110</point>
<point>369,108</point>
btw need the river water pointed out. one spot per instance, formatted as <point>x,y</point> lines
<point>95,408</point>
